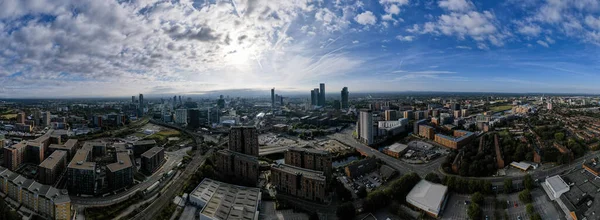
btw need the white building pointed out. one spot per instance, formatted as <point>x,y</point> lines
<point>181,116</point>
<point>428,196</point>
<point>391,127</point>
<point>365,127</point>
<point>225,201</point>
<point>555,186</point>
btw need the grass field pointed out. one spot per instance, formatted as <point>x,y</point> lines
<point>501,108</point>
<point>8,116</point>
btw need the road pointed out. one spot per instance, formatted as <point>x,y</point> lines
<point>173,159</point>
<point>155,208</point>
<point>346,138</point>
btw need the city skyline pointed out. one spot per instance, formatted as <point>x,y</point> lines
<point>109,49</point>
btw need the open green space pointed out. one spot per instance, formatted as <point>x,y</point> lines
<point>501,108</point>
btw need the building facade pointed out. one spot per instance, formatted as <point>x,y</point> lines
<point>309,159</point>
<point>81,174</point>
<point>365,127</point>
<point>344,101</point>
<point>459,139</point>
<point>237,166</point>
<point>120,173</point>
<point>299,182</point>
<point>427,132</point>
<point>244,140</point>
<point>51,169</point>
<point>153,159</point>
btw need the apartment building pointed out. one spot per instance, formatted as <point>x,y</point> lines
<point>81,173</point>
<point>299,182</point>
<point>153,159</point>
<point>51,169</point>
<point>309,159</point>
<point>120,173</point>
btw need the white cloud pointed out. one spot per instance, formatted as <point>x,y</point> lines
<point>331,22</point>
<point>355,42</point>
<point>592,22</point>
<point>456,5</point>
<point>463,47</point>
<point>405,38</point>
<point>550,40</point>
<point>366,18</point>
<point>530,30</point>
<point>543,43</point>
<point>398,2</point>
<point>392,9</point>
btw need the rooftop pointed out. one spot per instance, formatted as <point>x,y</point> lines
<point>70,144</point>
<point>144,142</point>
<point>397,147</point>
<point>79,161</point>
<point>427,196</point>
<point>317,175</point>
<point>557,183</point>
<point>467,134</point>
<point>309,150</point>
<point>227,201</point>
<point>17,146</point>
<point>153,151</point>
<point>53,159</point>
<point>123,161</point>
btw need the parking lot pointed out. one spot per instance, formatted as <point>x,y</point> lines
<point>370,181</point>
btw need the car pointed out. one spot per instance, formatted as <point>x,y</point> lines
<point>519,218</point>
<point>467,202</point>
<point>487,217</point>
<point>516,205</point>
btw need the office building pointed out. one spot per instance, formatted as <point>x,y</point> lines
<point>395,150</point>
<point>181,116</point>
<point>427,132</point>
<point>81,173</point>
<point>408,114</point>
<point>391,115</point>
<point>141,106</point>
<point>218,200</point>
<point>391,128</point>
<point>361,167</point>
<point>315,95</point>
<point>237,166</point>
<point>132,99</point>
<point>244,139</point>
<point>120,173</point>
<point>322,94</point>
<point>365,127</point>
<point>299,182</point>
<point>419,115</point>
<point>459,139</point>
<point>44,200</point>
<point>273,97</point>
<point>344,101</point>
<point>309,159</point>
<point>47,118</point>
<point>139,147</point>
<point>14,155</point>
<point>153,159</point>
<point>429,197</point>
<point>455,106</point>
<point>194,118</point>
<point>52,167</point>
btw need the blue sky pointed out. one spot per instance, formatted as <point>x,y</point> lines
<point>67,48</point>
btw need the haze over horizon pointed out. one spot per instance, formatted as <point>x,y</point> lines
<point>68,48</point>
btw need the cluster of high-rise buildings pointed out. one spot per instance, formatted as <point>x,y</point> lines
<point>317,97</point>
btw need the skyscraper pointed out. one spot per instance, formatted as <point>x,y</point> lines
<point>345,98</point>
<point>132,99</point>
<point>273,97</point>
<point>141,108</point>
<point>322,94</point>
<point>314,96</point>
<point>365,127</point>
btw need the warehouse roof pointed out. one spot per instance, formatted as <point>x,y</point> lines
<point>227,201</point>
<point>427,196</point>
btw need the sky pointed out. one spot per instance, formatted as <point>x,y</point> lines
<point>91,48</point>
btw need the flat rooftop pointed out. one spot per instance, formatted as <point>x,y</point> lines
<point>457,139</point>
<point>153,151</point>
<point>144,142</point>
<point>309,150</point>
<point>557,183</point>
<point>312,174</point>
<point>71,143</point>
<point>123,162</point>
<point>427,196</point>
<point>79,161</point>
<point>53,159</point>
<point>227,201</point>
<point>397,147</point>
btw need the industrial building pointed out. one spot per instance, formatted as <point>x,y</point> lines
<point>51,169</point>
<point>220,200</point>
<point>395,150</point>
<point>44,200</point>
<point>429,197</point>
<point>299,182</point>
<point>153,159</point>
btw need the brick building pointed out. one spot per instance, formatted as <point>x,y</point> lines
<point>153,159</point>
<point>299,182</point>
<point>309,158</point>
<point>244,140</point>
<point>238,166</point>
<point>459,139</point>
<point>427,132</point>
<point>51,169</point>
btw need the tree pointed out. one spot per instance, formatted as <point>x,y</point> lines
<point>362,192</point>
<point>342,193</point>
<point>525,196</point>
<point>346,211</point>
<point>375,200</point>
<point>432,177</point>
<point>535,216</point>
<point>529,208</point>
<point>528,182</point>
<point>474,211</point>
<point>559,136</point>
<point>477,198</point>
<point>508,186</point>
